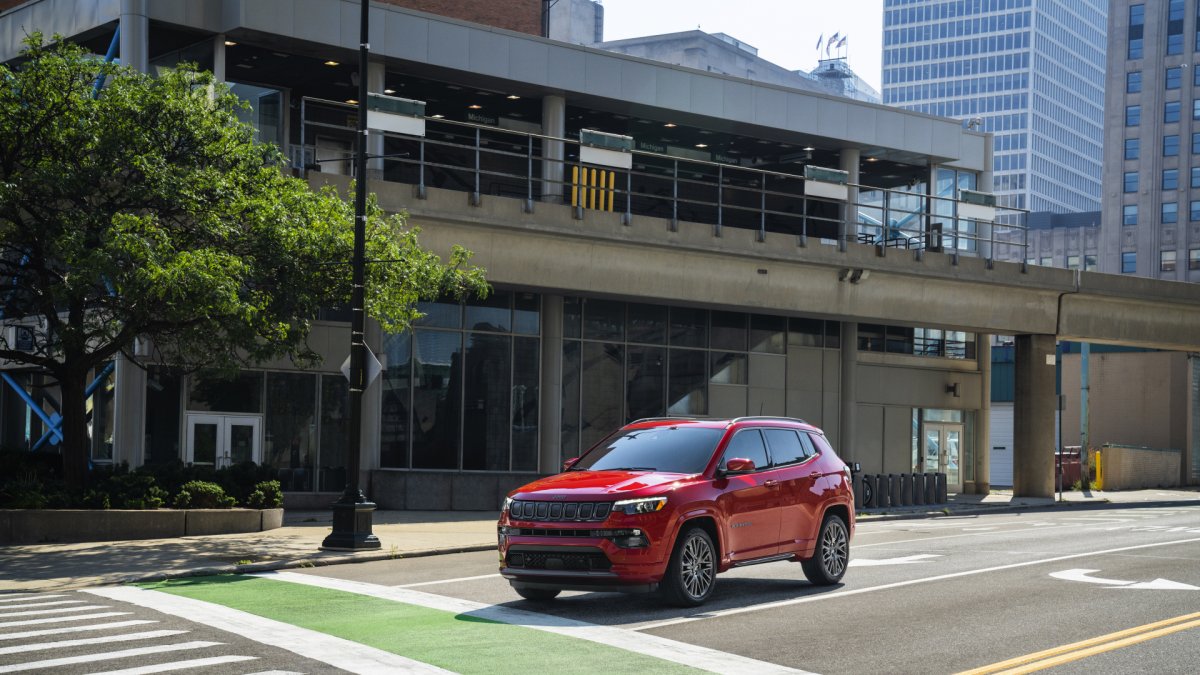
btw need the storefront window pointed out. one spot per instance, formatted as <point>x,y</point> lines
<point>290,445</point>
<point>335,419</point>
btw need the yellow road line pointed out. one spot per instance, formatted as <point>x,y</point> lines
<point>1078,650</point>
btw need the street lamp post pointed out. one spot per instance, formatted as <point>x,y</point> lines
<point>352,513</point>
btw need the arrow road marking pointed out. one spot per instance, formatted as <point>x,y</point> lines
<point>1156,585</point>
<point>906,560</point>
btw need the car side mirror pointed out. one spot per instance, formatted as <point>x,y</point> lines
<point>570,463</point>
<point>738,465</point>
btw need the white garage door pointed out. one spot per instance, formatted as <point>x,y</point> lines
<point>1001,445</point>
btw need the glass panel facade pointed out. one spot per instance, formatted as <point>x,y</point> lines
<point>242,393</point>
<point>164,405</point>
<point>290,433</point>
<point>334,421</point>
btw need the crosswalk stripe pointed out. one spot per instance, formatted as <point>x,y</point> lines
<point>5,608</point>
<point>57,610</point>
<point>60,619</point>
<point>179,665</point>
<point>276,672</point>
<point>106,656</point>
<point>74,629</point>
<point>62,644</point>
<point>13,597</point>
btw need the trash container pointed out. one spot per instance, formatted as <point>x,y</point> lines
<point>882,491</point>
<point>897,498</point>
<point>931,489</point>
<point>906,489</point>
<point>941,488</point>
<point>856,488</point>
<point>867,486</point>
<point>918,489</point>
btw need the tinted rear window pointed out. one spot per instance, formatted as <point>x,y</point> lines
<point>666,449</point>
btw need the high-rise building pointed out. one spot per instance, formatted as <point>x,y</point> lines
<point>1029,71</point>
<point>1152,151</point>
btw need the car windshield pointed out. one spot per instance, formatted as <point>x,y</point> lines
<point>667,449</point>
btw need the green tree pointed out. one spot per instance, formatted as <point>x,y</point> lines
<point>148,212</point>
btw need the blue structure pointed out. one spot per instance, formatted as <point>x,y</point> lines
<point>1030,72</point>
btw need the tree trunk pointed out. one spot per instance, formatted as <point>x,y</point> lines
<point>75,446</point>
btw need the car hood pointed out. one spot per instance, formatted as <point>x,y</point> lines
<point>590,484</point>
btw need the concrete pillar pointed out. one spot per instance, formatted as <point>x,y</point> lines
<point>135,35</point>
<point>984,184</point>
<point>219,57</point>
<point>848,228</point>
<point>983,420</point>
<point>550,404</point>
<point>554,123</point>
<point>376,75</point>
<point>129,413</point>
<point>848,405</point>
<point>1033,417</point>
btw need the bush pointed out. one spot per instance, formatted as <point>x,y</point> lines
<point>266,495</point>
<point>200,494</point>
<point>24,491</point>
<point>127,490</point>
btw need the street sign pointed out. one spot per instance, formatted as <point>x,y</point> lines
<point>373,367</point>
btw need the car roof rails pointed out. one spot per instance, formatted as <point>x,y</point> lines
<point>767,418</point>
<point>668,418</point>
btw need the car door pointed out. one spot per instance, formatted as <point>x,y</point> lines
<point>749,502</point>
<point>794,464</point>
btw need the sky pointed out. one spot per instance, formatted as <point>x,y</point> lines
<point>784,31</point>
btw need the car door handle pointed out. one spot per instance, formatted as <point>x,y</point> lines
<point>815,474</point>
<point>771,483</point>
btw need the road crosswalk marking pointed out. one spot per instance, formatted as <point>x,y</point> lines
<point>107,656</point>
<point>73,629</point>
<point>60,619</point>
<point>179,665</point>
<point>56,610</point>
<point>62,644</point>
<point>14,597</point>
<point>4,609</point>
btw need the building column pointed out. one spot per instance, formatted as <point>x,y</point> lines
<point>376,76</point>
<point>550,390</point>
<point>983,421</point>
<point>848,228</point>
<point>1033,417</point>
<point>129,413</point>
<point>219,57</point>
<point>984,184</point>
<point>848,405</point>
<point>135,35</point>
<point>554,123</point>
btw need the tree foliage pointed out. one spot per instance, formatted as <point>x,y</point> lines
<point>148,212</point>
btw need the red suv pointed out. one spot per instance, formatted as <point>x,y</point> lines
<point>665,504</point>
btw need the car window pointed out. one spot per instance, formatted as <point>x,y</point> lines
<point>747,444</point>
<point>786,446</point>
<point>814,443</point>
<point>682,449</point>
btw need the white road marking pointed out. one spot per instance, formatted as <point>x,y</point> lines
<point>74,629</point>
<point>640,643</point>
<point>107,656</point>
<point>5,608</point>
<point>13,597</point>
<point>273,672</point>
<point>959,536</point>
<point>60,619</point>
<point>977,529</point>
<point>906,560</point>
<point>179,665</point>
<point>901,584</point>
<point>57,610</point>
<point>1156,585</point>
<point>62,644</point>
<point>334,651</point>
<point>448,581</point>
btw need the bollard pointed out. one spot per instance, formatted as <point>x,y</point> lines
<point>941,488</point>
<point>882,490</point>
<point>930,489</point>
<point>918,489</point>
<point>868,490</point>
<point>897,498</point>
<point>906,491</point>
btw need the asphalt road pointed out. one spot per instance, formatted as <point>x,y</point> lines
<point>922,596</point>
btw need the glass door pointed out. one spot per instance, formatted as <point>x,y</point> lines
<point>222,440</point>
<point>942,453</point>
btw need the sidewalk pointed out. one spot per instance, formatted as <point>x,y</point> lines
<point>44,567</point>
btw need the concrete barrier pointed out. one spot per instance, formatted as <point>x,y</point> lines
<point>19,526</point>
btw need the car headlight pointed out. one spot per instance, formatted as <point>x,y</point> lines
<point>633,507</point>
<point>507,503</point>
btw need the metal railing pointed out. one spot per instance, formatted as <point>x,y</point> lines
<point>487,160</point>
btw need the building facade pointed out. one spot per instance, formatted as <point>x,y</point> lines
<point>747,249</point>
<point>1152,149</point>
<point>1029,71</point>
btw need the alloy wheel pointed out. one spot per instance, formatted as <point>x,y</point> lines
<point>696,567</point>
<point>834,548</point>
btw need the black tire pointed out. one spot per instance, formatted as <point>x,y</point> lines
<point>692,572</point>
<point>828,564</point>
<point>537,594</point>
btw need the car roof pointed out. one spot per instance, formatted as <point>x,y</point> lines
<point>721,423</point>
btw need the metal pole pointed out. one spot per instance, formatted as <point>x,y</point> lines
<point>1085,351</point>
<point>352,513</point>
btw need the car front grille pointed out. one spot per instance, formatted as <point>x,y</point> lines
<point>581,512</point>
<point>559,560</point>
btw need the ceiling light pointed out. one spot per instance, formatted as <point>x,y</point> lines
<point>437,117</point>
<point>670,125</point>
<point>351,101</point>
<point>475,106</point>
<point>872,159</point>
<point>513,97</point>
<point>809,148</point>
<point>332,63</point>
<point>389,91</point>
<point>230,43</point>
<point>702,145</point>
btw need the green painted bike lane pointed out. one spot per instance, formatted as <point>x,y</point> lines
<point>454,641</point>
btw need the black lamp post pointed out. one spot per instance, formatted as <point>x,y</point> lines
<point>352,513</point>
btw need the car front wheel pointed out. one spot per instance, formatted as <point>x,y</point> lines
<point>828,564</point>
<point>692,571</point>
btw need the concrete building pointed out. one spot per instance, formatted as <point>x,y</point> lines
<point>1029,71</point>
<point>579,22</point>
<point>1067,240</point>
<point>1152,169</point>
<point>722,247</point>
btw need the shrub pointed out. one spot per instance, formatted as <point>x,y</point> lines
<point>200,494</point>
<point>24,491</point>
<point>266,495</point>
<point>135,490</point>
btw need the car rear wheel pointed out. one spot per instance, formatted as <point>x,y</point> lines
<point>537,594</point>
<point>692,572</point>
<point>828,564</point>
